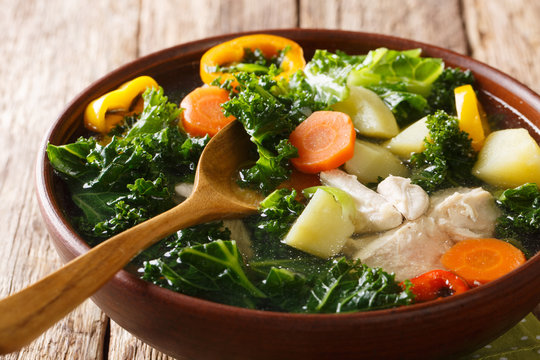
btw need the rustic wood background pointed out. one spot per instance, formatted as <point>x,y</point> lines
<point>52,49</point>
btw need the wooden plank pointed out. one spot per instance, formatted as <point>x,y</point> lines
<point>162,26</point>
<point>432,21</point>
<point>123,345</point>
<point>506,35</point>
<point>50,51</point>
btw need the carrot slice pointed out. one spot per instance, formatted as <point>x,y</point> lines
<point>325,140</point>
<point>202,111</point>
<point>479,261</point>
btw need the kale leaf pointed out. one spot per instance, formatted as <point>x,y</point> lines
<point>448,157</point>
<point>326,73</point>
<point>406,106</point>
<point>122,183</point>
<point>213,271</point>
<point>350,286</point>
<point>442,90</point>
<point>407,68</point>
<point>520,219</point>
<point>270,111</point>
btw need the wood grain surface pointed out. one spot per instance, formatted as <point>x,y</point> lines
<point>50,50</point>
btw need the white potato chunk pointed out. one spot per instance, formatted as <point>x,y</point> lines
<point>410,140</point>
<point>371,161</point>
<point>321,229</point>
<point>509,158</point>
<point>370,115</point>
<point>373,212</point>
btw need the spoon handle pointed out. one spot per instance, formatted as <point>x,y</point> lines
<point>28,313</point>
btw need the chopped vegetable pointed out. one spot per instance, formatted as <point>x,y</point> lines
<point>479,261</point>
<point>384,66</point>
<point>123,183</point>
<point>448,157</point>
<point>269,113</point>
<point>406,106</point>
<point>370,116</point>
<point>202,113</point>
<point>520,219</point>
<point>410,140</point>
<point>325,140</point>
<point>350,286</point>
<point>327,74</point>
<point>224,60</point>
<point>105,112</point>
<point>372,161</point>
<point>509,158</point>
<point>436,284</point>
<point>324,226</point>
<point>442,90</point>
<point>471,117</point>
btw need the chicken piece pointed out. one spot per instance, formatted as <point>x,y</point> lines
<point>410,250</point>
<point>373,213</point>
<point>410,199</point>
<point>464,213</point>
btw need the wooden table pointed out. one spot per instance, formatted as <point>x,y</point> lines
<point>51,49</point>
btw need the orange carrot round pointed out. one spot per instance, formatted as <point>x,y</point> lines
<point>202,111</point>
<point>325,140</point>
<point>479,261</point>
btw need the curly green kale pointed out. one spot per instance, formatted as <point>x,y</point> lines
<point>520,219</point>
<point>350,286</point>
<point>132,178</point>
<point>442,90</point>
<point>270,111</point>
<point>448,158</point>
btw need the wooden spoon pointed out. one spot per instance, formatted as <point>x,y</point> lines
<point>28,313</point>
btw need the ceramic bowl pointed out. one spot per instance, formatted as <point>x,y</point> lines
<point>191,328</point>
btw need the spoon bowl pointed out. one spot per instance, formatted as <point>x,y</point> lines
<point>28,313</point>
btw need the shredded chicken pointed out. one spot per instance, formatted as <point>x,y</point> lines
<point>417,246</point>
<point>410,199</point>
<point>464,213</point>
<point>374,213</point>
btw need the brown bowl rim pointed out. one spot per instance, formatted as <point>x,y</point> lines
<point>64,231</point>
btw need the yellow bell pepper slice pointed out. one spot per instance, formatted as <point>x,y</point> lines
<point>232,51</point>
<point>472,118</point>
<point>105,112</point>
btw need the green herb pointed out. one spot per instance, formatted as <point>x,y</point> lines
<point>520,219</point>
<point>327,74</point>
<point>269,112</point>
<point>406,106</point>
<point>132,178</point>
<point>350,286</point>
<point>442,91</point>
<point>407,68</point>
<point>448,157</point>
